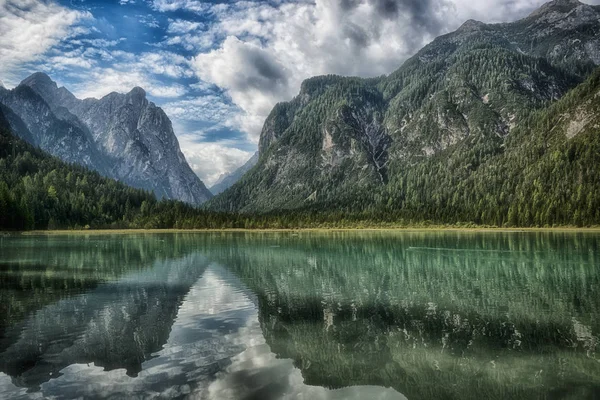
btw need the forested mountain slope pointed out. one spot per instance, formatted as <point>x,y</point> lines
<point>355,144</point>
<point>38,191</point>
<point>546,173</point>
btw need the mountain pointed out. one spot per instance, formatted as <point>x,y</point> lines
<point>545,175</point>
<point>33,120</point>
<point>122,136</point>
<point>370,145</point>
<point>38,191</point>
<point>225,181</point>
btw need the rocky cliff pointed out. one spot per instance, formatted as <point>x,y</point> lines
<point>122,136</point>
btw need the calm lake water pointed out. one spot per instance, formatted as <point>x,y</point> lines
<point>397,315</point>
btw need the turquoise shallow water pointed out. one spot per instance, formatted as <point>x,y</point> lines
<point>376,315</point>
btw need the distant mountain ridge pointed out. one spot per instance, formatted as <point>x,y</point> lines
<point>225,181</point>
<point>122,136</point>
<point>357,144</point>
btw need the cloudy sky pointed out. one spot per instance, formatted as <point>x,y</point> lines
<point>218,67</point>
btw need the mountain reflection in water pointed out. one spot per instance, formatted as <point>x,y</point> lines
<point>319,316</point>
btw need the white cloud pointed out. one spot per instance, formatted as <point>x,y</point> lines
<point>165,63</point>
<point>94,43</point>
<point>191,41</point>
<point>189,35</point>
<point>66,62</point>
<point>208,158</point>
<point>148,20</point>
<point>211,160</point>
<point>208,108</point>
<point>157,89</point>
<point>183,26</point>
<point>127,70</point>
<point>28,28</point>
<point>174,5</point>
<point>252,76</point>
<point>102,81</point>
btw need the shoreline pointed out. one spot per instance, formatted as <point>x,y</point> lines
<point>298,230</point>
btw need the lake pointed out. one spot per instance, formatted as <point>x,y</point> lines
<point>338,315</point>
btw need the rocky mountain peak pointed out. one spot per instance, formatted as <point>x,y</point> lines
<point>137,93</point>
<point>471,25</point>
<point>556,6</point>
<point>137,98</point>
<point>44,86</point>
<point>569,30</point>
<point>39,79</point>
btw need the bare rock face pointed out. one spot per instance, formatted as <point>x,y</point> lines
<point>563,31</point>
<point>32,119</point>
<point>123,136</point>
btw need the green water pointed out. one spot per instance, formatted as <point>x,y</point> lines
<point>396,315</point>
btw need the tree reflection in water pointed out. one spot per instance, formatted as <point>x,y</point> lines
<point>346,315</point>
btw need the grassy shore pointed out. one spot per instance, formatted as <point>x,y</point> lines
<point>295,230</point>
